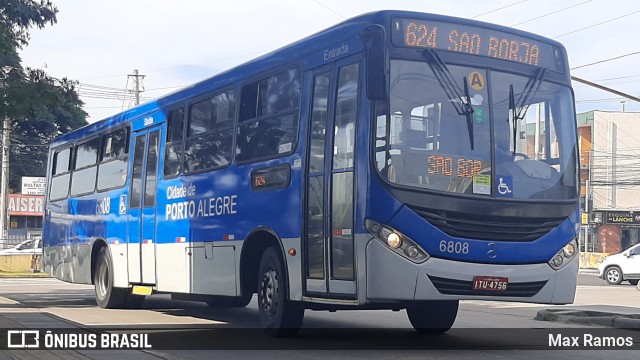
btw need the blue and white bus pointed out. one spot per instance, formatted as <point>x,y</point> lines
<point>397,160</point>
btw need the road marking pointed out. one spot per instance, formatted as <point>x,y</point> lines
<point>501,304</point>
<point>7,301</point>
<point>603,287</point>
<point>13,284</point>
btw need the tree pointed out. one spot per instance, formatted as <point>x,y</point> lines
<point>40,107</point>
<point>44,108</point>
<point>17,17</point>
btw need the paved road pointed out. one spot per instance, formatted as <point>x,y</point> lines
<point>50,303</point>
<point>590,277</point>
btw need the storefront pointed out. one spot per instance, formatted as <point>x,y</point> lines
<point>25,215</point>
<point>617,231</point>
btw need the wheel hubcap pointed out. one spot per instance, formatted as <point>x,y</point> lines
<point>102,281</point>
<point>269,293</point>
<point>613,275</point>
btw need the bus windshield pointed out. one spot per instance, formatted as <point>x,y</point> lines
<point>476,131</point>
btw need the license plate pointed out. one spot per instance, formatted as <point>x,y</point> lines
<point>490,283</point>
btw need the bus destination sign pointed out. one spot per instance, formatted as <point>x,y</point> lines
<point>474,40</point>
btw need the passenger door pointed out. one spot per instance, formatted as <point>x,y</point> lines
<point>329,239</point>
<point>141,251</point>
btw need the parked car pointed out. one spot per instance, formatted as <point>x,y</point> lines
<point>28,247</point>
<point>623,266</point>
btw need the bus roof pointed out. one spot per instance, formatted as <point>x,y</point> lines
<point>277,58</point>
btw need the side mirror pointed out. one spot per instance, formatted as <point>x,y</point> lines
<point>373,38</point>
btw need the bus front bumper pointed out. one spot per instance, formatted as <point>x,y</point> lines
<point>391,277</point>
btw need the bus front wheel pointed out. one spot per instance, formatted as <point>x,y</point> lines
<point>432,316</point>
<point>107,296</point>
<point>278,315</point>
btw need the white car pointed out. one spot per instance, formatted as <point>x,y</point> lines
<point>27,247</point>
<point>622,266</point>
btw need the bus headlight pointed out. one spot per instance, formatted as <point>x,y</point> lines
<point>397,242</point>
<point>562,257</point>
<point>394,240</point>
<point>569,250</point>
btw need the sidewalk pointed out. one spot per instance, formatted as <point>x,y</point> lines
<point>15,316</point>
<point>618,308</point>
<point>610,316</point>
<point>588,271</point>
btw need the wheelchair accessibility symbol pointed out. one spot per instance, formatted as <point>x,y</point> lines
<point>505,186</point>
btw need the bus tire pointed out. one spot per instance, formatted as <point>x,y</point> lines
<point>432,316</point>
<point>107,296</point>
<point>279,316</point>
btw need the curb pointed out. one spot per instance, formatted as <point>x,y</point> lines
<point>597,318</point>
<point>22,276</point>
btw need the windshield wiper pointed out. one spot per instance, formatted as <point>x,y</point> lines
<point>524,101</point>
<point>460,100</point>
<point>468,111</point>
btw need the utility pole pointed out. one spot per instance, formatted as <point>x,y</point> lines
<point>4,182</point>
<point>137,81</point>
<point>4,169</point>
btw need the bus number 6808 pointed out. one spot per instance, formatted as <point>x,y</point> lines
<point>103,206</point>
<point>454,247</point>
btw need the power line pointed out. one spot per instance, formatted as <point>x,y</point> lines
<point>551,13</point>
<point>498,9</point>
<point>598,24</point>
<point>612,83</point>
<point>598,100</point>
<point>601,87</point>
<point>602,61</point>
<point>165,88</point>
<point>618,78</point>
<point>328,8</point>
<point>98,87</point>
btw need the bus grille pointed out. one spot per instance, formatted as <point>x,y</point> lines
<point>488,227</point>
<point>461,287</point>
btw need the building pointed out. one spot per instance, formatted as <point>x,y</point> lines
<point>609,145</point>
<point>25,215</point>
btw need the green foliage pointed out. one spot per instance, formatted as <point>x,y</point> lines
<point>18,16</point>
<point>40,107</point>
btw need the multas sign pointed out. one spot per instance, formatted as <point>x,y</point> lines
<point>622,217</point>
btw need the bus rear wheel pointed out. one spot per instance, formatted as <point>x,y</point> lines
<point>107,296</point>
<point>432,316</point>
<point>278,315</point>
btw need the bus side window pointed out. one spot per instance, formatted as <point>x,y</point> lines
<point>83,180</point>
<point>112,170</point>
<point>268,123</point>
<point>61,175</point>
<point>210,133</point>
<point>173,149</point>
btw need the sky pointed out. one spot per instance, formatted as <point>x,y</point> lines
<point>175,43</point>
